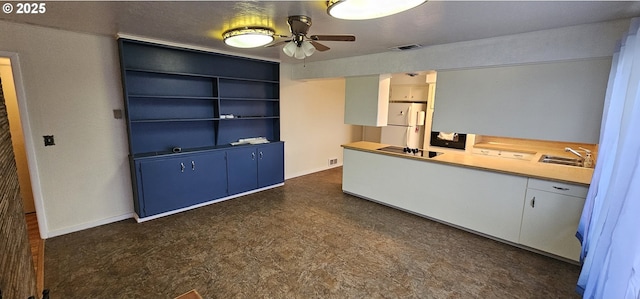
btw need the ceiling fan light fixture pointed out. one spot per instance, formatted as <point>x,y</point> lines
<point>366,9</point>
<point>308,48</point>
<point>248,37</point>
<point>305,49</point>
<point>299,54</point>
<point>290,48</point>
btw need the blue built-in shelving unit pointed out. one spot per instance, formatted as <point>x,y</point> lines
<point>177,103</point>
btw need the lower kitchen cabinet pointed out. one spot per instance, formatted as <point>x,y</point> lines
<point>167,184</point>
<point>538,214</point>
<point>550,218</point>
<point>482,201</point>
<point>251,167</point>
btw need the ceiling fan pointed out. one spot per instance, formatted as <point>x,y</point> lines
<point>300,45</point>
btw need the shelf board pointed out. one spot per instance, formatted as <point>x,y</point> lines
<point>250,80</point>
<point>171,153</point>
<point>193,150</point>
<point>173,120</point>
<point>251,117</point>
<point>199,119</point>
<point>169,73</point>
<point>172,97</point>
<point>248,99</point>
<point>199,75</point>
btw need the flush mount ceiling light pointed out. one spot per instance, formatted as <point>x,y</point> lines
<point>367,9</point>
<point>248,37</point>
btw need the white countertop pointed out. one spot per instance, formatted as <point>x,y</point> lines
<point>532,168</point>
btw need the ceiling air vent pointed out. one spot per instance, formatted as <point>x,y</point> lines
<point>406,47</point>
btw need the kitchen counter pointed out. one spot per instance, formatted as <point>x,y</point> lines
<point>531,168</point>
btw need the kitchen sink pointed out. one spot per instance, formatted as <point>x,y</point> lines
<point>561,160</point>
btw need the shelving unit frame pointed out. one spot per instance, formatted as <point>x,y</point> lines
<point>189,104</point>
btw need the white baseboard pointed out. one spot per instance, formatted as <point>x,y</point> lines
<point>139,220</point>
<point>310,171</point>
<point>87,225</point>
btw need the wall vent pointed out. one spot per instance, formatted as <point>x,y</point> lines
<point>406,47</point>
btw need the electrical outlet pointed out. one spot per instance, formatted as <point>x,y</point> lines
<point>333,161</point>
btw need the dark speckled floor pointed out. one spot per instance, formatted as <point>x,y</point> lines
<point>304,240</point>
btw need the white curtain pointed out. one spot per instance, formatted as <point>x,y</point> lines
<point>609,228</point>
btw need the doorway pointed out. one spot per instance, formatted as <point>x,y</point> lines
<point>17,137</point>
<point>22,148</point>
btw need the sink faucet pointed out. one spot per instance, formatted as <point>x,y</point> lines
<point>568,149</point>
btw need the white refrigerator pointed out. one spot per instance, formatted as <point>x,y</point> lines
<point>405,125</point>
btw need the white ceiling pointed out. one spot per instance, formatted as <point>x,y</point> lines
<point>201,23</point>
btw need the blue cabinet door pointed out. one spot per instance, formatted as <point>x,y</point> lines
<point>208,177</point>
<point>270,164</point>
<point>165,185</point>
<point>242,169</point>
<point>174,183</point>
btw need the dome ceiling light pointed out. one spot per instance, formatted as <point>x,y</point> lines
<point>367,9</point>
<point>248,37</point>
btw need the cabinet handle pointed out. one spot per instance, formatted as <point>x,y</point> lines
<point>518,155</point>
<point>560,188</point>
<point>181,167</point>
<point>533,202</point>
<point>253,156</point>
<point>193,165</point>
<point>485,152</point>
<point>261,155</point>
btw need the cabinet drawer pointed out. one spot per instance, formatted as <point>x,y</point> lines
<point>557,187</point>
<point>502,154</point>
<point>486,152</point>
<point>516,155</point>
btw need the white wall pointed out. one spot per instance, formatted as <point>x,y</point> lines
<point>312,123</point>
<point>567,43</point>
<point>72,84</point>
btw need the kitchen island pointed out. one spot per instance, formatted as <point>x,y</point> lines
<point>527,204</point>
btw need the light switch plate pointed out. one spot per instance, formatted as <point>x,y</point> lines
<point>48,140</point>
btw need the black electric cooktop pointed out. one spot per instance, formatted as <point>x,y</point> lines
<point>400,150</point>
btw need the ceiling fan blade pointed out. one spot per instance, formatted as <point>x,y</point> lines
<point>320,47</point>
<point>338,38</point>
<point>277,43</point>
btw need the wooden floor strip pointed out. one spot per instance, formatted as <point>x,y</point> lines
<point>37,249</point>
<point>193,294</point>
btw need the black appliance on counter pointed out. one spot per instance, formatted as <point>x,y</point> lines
<point>408,151</point>
<point>448,140</point>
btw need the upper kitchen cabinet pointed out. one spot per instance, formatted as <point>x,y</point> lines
<point>560,101</point>
<point>409,93</point>
<point>367,100</point>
